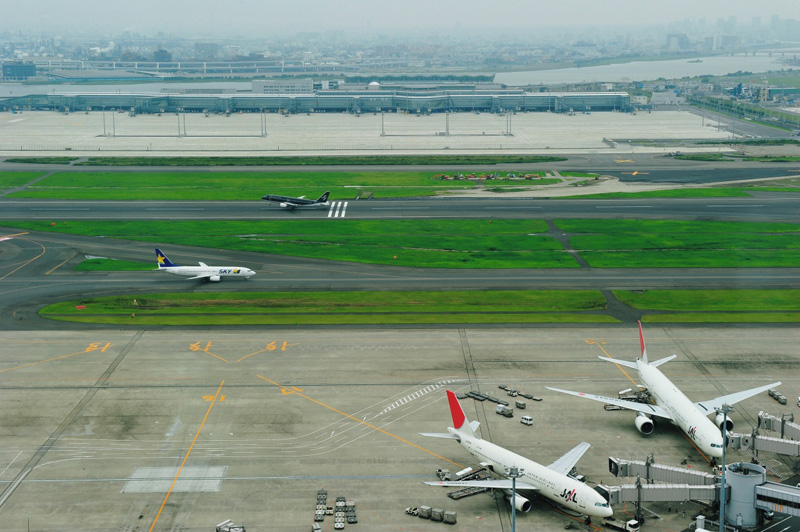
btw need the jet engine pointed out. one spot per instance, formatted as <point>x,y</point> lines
<point>284,205</point>
<point>521,503</point>
<point>720,419</point>
<point>214,278</point>
<point>644,424</point>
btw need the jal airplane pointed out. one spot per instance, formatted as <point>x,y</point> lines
<point>288,202</point>
<point>209,273</point>
<point>672,404</point>
<point>550,481</point>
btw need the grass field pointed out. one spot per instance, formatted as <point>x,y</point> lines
<point>321,160</point>
<point>284,308</point>
<point>15,179</point>
<point>679,244</point>
<point>475,243</point>
<point>111,265</point>
<point>248,185</point>
<point>428,307</point>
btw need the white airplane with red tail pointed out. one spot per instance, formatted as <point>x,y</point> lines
<point>672,404</point>
<point>551,482</point>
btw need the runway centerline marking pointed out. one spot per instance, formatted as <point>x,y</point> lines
<point>293,391</point>
<point>178,474</point>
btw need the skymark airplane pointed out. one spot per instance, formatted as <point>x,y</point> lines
<point>288,202</point>
<point>550,481</point>
<point>210,273</point>
<point>672,404</point>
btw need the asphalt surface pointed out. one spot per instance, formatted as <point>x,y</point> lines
<point>764,207</point>
<point>98,422</point>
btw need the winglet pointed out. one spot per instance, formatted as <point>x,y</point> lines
<point>641,341</point>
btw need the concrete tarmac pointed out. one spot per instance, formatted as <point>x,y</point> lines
<point>179,430</point>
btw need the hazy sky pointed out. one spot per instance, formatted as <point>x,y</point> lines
<point>264,17</point>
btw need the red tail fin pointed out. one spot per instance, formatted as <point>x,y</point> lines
<point>643,356</point>
<point>455,410</point>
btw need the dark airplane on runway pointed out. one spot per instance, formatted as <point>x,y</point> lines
<point>287,202</point>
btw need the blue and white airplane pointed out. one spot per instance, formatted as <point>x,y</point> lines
<point>551,482</point>
<point>209,273</point>
<point>672,404</point>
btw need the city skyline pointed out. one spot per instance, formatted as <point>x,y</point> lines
<point>252,18</point>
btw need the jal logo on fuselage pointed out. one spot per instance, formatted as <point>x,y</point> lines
<point>569,496</point>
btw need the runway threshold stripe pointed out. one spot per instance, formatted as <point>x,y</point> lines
<point>178,474</point>
<point>294,392</point>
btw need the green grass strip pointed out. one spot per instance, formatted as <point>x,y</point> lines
<point>16,179</point>
<point>252,186</point>
<point>744,317</point>
<point>320,160</point>
<point>391,307</point>
<point>414,243</point>
<point>112,265</point>
<point>42,160</point>
<point>712,300</point>
<point>470,301</point>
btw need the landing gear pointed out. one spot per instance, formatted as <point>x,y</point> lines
<point>587,521</point>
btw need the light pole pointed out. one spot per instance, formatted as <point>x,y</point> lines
<point>514,473</point>
<point>725,409</point>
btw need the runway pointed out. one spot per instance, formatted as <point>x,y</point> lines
<point>761,207</point>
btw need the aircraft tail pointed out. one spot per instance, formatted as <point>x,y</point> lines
<point>324,197</point>
<point>460,422</point>
<point>643,357</point>
<point>162,260</point>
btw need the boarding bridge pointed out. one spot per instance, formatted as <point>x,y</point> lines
<point>651,472</point>
<point>747,491</point>
<point>754,443</point>
<point>779,498</point>
<point>680,484</point>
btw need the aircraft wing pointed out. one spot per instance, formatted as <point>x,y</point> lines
<point>653,410</point>
<point>204,276</point>
<point>504,483</point>
<point>712,405</point>
<point>565,464</point>
<point>444,435</point>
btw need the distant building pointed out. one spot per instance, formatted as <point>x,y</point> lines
<point>667,98</point>
<point>162,56</point>
<point>677,41</point>
<point>206,50</point>
<point>18,70</point>
<point>283,86</point>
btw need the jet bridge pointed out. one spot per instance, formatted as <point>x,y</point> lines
<point>755,443</point>
<point>680,484</point>
<point>747,490</point>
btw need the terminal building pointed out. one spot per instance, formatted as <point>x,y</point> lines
<point>302,96</point>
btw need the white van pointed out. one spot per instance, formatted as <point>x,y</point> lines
<point>526,420</point>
